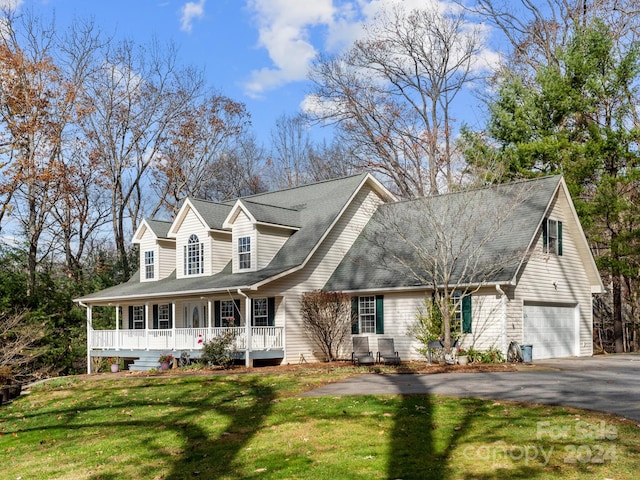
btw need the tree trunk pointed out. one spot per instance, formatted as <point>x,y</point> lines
<point>617,314</point>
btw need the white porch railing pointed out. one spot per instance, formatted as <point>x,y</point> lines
<point>262,338</point>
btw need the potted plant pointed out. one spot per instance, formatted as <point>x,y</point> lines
<point>462,357</point>
<point>115,364</point>
<point>165,359</point>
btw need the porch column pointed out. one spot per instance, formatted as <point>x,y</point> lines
<point>173,323</point>
<point>89,337</point>
<point>117,327</point>
<point>247,315</point>
<point>210,316</point>
<point>146,325</point>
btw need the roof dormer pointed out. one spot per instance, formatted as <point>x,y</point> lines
<point>258,232</point>
<point>157,251</point>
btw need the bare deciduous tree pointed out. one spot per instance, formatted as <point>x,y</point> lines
<point>391,95</point>
<point>19,348</point>
<point>136,97</point>
<point>450,244</point>
<point>196,148</point>
<point>326,318</point>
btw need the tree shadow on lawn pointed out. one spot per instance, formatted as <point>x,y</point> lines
<point>423,447</point>
<point>195,450</point>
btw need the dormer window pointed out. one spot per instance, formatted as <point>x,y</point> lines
<point>244,253</point>
<point>194,256</point>
<point>149,265</point>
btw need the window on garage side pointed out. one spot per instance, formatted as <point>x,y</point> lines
<point>552,236</point>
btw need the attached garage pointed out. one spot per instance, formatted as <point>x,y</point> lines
<point>552,329</point>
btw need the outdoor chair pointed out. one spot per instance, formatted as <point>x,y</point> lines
<point>387,352</point>
<point>361,354</point>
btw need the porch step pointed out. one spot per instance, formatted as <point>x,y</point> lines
<point>146,361</point>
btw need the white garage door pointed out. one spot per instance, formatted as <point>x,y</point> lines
<point>551,329</point>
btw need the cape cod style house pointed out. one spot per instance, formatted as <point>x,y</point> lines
<point>243,265</point>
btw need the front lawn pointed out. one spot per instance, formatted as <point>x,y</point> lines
<point>258,426</point>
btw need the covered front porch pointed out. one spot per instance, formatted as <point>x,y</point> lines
<point>176,339</point>
<point>149,328</point>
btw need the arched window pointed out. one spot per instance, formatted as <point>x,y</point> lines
<point>193,256</point>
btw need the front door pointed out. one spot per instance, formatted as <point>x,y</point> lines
<point>195,315</point>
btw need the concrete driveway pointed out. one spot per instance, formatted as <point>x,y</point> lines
<point>607,384</point>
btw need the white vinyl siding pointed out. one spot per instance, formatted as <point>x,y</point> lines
<point>269,241</point>
<point>220,251</point>
<point>556,279</point>
<point>166,259</point>
<point>242,227</point>
<point>317,272</point>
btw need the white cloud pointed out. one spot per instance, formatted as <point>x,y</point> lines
<point>11,5</point>
<point>191,11</point>
<point>285,27</point>
<point>284,30</point>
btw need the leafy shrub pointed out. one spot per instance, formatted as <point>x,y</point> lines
<point>220,351</point>
<point>493,355</point>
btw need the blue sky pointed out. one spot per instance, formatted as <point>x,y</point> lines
<point>253,51</point>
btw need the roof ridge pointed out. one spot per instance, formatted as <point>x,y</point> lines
<point>288,189</point>
<point>268,205</point>
<point>477,189</point>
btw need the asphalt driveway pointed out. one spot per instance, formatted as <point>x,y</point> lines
<point>607,384</point>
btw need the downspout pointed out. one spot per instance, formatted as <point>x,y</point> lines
<point>503,314</point>
<point>89,329</point>
<point>247,325</point>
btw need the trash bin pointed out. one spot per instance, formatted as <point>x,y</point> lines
<point>527,353</point>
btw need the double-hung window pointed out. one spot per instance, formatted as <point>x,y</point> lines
<point>552,236</point>
<point>227,313</point>
<point>138,317</point>
<point>164,315</point>
<point>193,256</point>
<point>149,265</point>
<point>244,253</point>
<point>260,312</point>
<point>367,312</point>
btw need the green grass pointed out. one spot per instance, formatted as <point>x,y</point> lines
<point>258,426</point>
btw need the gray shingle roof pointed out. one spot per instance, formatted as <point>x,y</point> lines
<point>213,213</point>
<point>470,237</point>
<point>159,227</point>
<point>288,217</point>
<point>317,207</point>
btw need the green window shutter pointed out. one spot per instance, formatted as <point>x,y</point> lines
<point>216,313</point>
<point>545,234</point>
<point>355,321</point>
<point>466,314</point>
<point>271,311</point>
<point>171,315</point>
<point>236,312</point>
<point>559,238</point>
<point>130,317</point>
<point>380,314</point>
<point>155,317</point>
